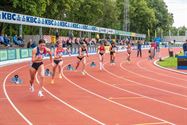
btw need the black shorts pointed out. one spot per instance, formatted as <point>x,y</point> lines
<point>80,58</point>
<point>111,53</point>
<point>101,54</point>
<point>37,65</point>
<point>57,61</point>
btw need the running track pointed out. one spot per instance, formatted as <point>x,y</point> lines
<point>138,93</point>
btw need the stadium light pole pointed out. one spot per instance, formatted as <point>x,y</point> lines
<point>40,33</point>
<point>21,30</point>
<point>126,21</point>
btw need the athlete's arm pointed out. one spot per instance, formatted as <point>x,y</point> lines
<point>110,49</point>
<point>80,51</point>
<point>98,49</point>
<point>34,57</point>
<point>87,51</point>
<point>50,54</point>
<point>55,54</point>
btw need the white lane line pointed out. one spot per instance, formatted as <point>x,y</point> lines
<point>158,79</point>
<point>172,70</point>
<point>163,90</point>
<point>160,101</point>
<point>70,106</point>
<point>161,74</point>
<point>11,102</point>
<point>119,104</point>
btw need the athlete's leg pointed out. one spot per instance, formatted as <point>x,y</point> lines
<point>78,63</point>
<point>32,76</point>
<point>53,75</point>
<point>100,62</point>
<point>84,65</point>
<point>60,69</point>
<point>41,79</point>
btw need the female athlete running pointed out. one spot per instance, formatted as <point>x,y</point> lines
<point>38,54</point>
<point>83,52</point>
<point>101,52</point>
<point>58,59</point>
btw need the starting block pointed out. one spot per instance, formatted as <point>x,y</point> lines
<point>70,67</point>
<point>48,73</point>
<point>93,64</point>
<point>16,80</point>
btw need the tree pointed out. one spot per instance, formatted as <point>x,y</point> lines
<point>142,17</point>
<point>163,17</point>
<point>143,14</point>
<point>30,7</point>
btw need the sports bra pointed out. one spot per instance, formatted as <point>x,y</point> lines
<point>59,52</point>
<point>114,48</point>
<point>38,53</point>
<point>101,48</point>
<point>83,51</point>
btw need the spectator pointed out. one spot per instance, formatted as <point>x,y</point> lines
<point>89,42</point>
<point>18,41</point>
<point>185,48</point>
<point>94,41</point>
<point>152,50</point>
<point>29,43</point>
<point>33,44</point>
<point>170,50</point>
<point>57,34</point>
<point>85,41</point>
<point>6,40</point>
<point>76,41</point>
<point>20,38</point>
<point>97,37</point>
<point>174,41</point>
<point>1,39</point>
<point>81,41</point>
<point>139,49</point>
<point>70,35</point>
<point>69,44</point>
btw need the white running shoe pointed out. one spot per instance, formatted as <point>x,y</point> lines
<point>31,88</point>
<point>60,76</point>
<point>100,68</point>
<point>52,81</point>
<point>83,73</point>
<point>40,94</point>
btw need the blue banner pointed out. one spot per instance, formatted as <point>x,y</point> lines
<point>15,18</point>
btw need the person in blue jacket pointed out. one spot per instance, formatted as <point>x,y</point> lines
<point>185,48</point>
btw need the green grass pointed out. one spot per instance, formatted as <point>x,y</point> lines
<point>170,62</point>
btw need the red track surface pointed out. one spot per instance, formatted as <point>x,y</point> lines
<point>124,94</point>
